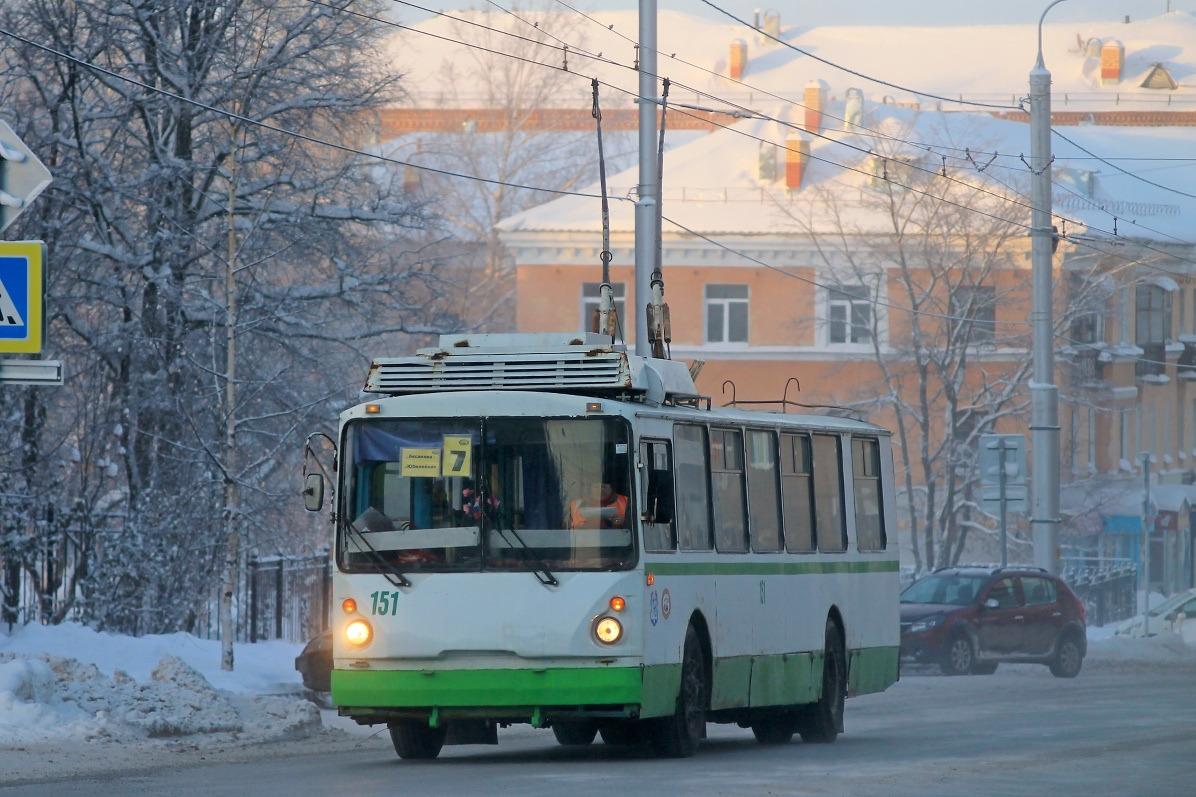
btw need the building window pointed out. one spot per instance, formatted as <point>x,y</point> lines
<point>726,314</point>
<point>591,298</point>
<point>850,314</point>
<point>974,310</point>
<point>1152,327</point>
<point>1091,438</point>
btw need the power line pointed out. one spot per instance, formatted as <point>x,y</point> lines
<point>850,71</point>
<point>285,131</point>
<point>1123,171</point>
<point>583,52</point>
<point>362,153</point>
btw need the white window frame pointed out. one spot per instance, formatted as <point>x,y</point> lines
<point>875,283</point>
<point>726,303</point>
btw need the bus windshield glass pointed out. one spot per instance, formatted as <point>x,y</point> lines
<point>495,494</point>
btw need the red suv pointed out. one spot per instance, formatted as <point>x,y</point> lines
<point>970,619</point>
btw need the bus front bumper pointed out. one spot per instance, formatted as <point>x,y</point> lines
<point>501,694</point>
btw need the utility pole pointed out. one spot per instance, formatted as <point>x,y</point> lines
<point>1001,479</point>
<point>1144,559</point>
<point>1044,396</point>
<point>646,198</point>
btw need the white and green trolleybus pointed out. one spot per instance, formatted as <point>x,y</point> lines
<point>550,530</point>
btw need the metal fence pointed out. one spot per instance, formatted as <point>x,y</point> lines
<point>1108,587</point>
<point>278,597</point>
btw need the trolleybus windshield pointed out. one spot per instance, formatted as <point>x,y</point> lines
<point>496,494</point>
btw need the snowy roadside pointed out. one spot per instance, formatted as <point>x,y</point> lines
<point>73,700</point>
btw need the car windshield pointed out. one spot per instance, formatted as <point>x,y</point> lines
<point>953,590</point>
<point>495,493</point>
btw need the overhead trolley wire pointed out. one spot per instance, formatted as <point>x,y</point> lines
<point>1118,168</point>
<point>584,53</point>
<point>851,71</point>
<point>375,156</point>
<point>285,131</point>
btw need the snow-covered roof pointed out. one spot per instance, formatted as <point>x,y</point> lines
<point>982,63</point>
<point>712,185</point>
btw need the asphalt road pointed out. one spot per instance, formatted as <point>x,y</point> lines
<point>1020,731</point>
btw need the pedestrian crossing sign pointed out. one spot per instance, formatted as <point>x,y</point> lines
<point>21,264</point>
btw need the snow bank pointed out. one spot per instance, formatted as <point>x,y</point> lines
<point>55,683</point>
<point>261,668</point>
<point>1161,650</point>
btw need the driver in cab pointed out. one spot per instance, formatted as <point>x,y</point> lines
<point>609,511</point>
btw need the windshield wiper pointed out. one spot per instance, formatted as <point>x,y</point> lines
<point>540,569</point>
<point>388,572</point>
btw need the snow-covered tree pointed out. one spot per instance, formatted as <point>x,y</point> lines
<point>211,280</point>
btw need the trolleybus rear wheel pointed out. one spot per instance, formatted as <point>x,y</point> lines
<point>677,736</point>
<point>822,721</point>
<point>414,740</point>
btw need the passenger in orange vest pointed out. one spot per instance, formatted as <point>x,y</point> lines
<point>611,513</point>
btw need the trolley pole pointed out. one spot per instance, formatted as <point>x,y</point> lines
<point>1044,396</point>
<point>646,198</point>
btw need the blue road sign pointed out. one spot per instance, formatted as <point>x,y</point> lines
<point>21,265</point>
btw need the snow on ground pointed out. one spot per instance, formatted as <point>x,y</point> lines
<point>68,681</point>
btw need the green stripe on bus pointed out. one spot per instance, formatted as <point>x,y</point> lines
<point>872,669</point>
<point>766,568</point>
<point>551,686</point>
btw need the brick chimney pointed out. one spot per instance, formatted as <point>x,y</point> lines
<point>797,154</point>
<point>1112,57</point>
<point>739,57</point>
<point>814,95</point>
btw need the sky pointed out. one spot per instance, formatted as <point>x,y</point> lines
<point>880,12</point>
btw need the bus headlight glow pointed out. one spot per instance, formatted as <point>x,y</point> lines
<point>358,633</point>
<point>608,630</point>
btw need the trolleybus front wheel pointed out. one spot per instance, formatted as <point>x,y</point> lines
<point>415,740</point>
<point>677,736</point>
<point>822,721</point>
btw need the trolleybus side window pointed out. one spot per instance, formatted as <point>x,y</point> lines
<point>797,493</point>
<point>828,494</point>
<point>693,500</point>
<point>869,521</point>
<point>657,459</point>
<point>727,490</point>
<point>763,506</point>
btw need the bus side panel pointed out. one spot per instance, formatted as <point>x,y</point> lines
<point>669,604</point>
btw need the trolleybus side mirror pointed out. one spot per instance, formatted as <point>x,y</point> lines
<point>313,492</point>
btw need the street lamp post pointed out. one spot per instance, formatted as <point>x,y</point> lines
<point>1044,395</point>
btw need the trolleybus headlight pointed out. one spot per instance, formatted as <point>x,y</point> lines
<point>358,633</point>
<point>608,630</point>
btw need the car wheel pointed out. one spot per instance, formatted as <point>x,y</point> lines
<point>984,667</point>
<point>574,734</point>
<point>775,728</point>
<point>414,740</point>
<point>1068,658</point>
<point>958,655</point>
<point>677,736</point>
<point>822,722</point>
